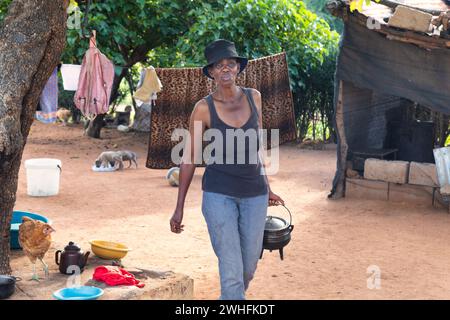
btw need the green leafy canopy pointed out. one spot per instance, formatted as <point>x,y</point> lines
<point>259,28</point>
<point>174,33</point>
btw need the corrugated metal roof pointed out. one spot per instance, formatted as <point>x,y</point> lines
<point>376,10</point>
<point>382,13</point>
<point>426,4</point>
<point>379,11</point>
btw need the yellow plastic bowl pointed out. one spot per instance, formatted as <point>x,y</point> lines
<point>109,250</point>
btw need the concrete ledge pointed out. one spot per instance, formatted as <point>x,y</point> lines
<point>388,171</point>
<point>411,194</point>
<point>159,285</point>
<point>423,174</point>
<point>366,189</point>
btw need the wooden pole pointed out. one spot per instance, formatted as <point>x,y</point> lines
<point>339,190</point>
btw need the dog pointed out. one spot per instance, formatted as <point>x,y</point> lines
<point>63,115</point>
<point>129,156</point>
<point>116,158</point>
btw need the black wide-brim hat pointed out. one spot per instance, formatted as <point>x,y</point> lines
<point>222,49</point>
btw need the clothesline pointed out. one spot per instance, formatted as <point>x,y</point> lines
<point>198,66</point>
<point>72,84</point>
<point>146,89</point>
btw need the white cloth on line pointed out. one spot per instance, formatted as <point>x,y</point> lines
<point>70,74</point>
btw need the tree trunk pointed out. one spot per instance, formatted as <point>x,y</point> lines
<point>130,84</point>
<point>95,126</point>
<point>338,190</point>
<point>116,84</point>
<point>142,118</point>
<point>32,39</point>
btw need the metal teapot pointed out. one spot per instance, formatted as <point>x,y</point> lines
<point>72,257</point>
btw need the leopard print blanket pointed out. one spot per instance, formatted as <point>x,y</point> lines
<point>183,87</point>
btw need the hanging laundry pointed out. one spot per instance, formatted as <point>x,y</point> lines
<point>115,276</point>
<point>70,74</point>
<point>149,85</point>
<point>153,98</point>
<point>95,82</point>
<point>48,102</point>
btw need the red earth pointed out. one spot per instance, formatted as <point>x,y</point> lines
<point>333,243</point>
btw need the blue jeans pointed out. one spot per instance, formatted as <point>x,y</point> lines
<point>236,230</point>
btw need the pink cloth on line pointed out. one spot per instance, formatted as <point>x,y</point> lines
<point>95,82</point>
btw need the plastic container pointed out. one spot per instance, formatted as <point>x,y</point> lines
<point>43,177</point>
<point>15,223</point>
<point>109,250</point>
<point>78,293</point>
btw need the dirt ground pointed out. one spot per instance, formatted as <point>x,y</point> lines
<point>333,243</point>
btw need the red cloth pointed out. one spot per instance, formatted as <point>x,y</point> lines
<point>114,276</point>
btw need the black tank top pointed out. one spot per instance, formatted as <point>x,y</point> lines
<point>237,172</point>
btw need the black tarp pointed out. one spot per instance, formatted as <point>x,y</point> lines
<point>369,60</point>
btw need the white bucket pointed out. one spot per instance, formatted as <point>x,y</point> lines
<point>43,177</point>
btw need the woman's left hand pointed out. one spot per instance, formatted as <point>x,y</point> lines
<point>275,200</point>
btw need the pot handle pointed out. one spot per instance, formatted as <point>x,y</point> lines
<point>290,215</point>
<point>18,278</point>
<point>57,255</point>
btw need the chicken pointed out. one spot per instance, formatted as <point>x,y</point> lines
<point>35,239</point>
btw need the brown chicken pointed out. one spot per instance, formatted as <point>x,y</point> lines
<point>35,239</point>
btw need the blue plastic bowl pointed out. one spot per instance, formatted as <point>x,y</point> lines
<point>15,223</point>
<point>78,293</point>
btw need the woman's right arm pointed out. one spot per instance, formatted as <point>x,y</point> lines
<point>192,151</point>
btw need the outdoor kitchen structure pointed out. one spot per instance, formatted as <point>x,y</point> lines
<point>392,100</point>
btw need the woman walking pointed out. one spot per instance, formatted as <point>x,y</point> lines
<point>236,192</point>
